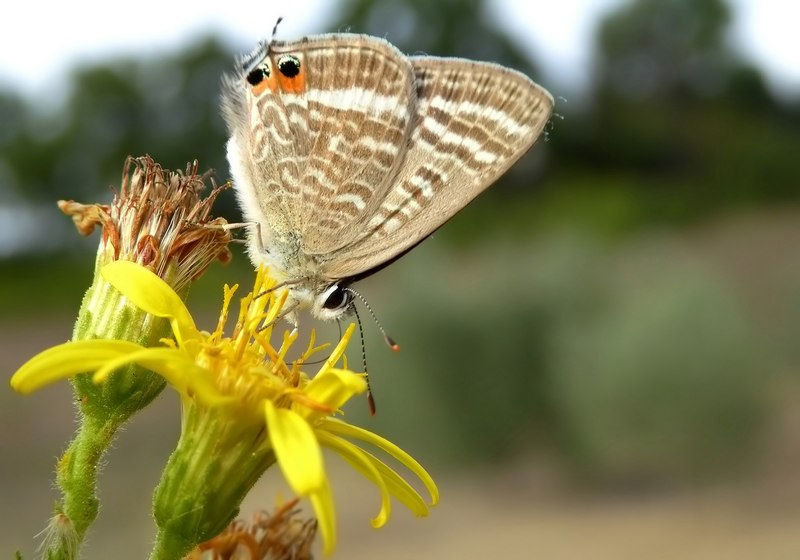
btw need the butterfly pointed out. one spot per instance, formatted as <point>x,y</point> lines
<point>346,153</point>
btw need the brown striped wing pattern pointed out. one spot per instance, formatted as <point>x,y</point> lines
<point>321,153</point>
<point>473,121</point>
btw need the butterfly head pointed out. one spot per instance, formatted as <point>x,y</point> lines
<point>332,303</point>
<point>324,300</point>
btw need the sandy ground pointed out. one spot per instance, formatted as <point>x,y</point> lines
<point>508,513</point>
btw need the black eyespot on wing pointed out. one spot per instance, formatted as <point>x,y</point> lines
<point>289,65</point>
<point>258,75</point>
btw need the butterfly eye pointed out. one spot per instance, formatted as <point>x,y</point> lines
<point>258,74</point>
<point>289,65</point>
<point>336,297</point>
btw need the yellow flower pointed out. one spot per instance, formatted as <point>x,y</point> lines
<point>244,407</point>
<point>159,219</point>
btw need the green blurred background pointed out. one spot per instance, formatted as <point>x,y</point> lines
<point>599,356</point>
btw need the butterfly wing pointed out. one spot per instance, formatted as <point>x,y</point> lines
<point>316,142</point>
<point>473,121</point>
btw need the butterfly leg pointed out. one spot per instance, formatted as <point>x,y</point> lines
<point>290,315</point>
<point>239,225</point>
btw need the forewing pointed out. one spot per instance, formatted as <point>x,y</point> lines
<point>473,121</point>
<point>360,101</point>
<point>321,146</point>
<point>265,143</point>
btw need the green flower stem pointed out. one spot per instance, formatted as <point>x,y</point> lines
<point>197,497</point>
<point>105,313</point>
<point>76,476</point>
<point>102,409</point>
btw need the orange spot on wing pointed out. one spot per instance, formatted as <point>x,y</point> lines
<point>259,88</point>
<point>270,83</point>
<point>295,84</point>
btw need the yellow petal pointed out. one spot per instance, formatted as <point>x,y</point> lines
<point>396,484</point>
<point>322,502</point>
<point>356,457</point>
<point>399,487</point>
<point>176,368</point>
<point>66,360</point>
<point>340,348</point>
<point>348,430</point>
<point>151,294</point>
<point>331,387</point>
<point>277,303</point>
<point>296,448</point>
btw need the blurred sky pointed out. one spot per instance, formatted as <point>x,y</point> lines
<point>39,45</point>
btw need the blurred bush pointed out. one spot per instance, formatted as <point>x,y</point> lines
<point>664,385</point>
<point>634,365</point>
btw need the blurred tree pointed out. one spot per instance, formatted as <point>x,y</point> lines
<point>665,48</point>
<point>678,126</point>
<point>447,28</point>
<point>166,106</point>
<point>14,116</point>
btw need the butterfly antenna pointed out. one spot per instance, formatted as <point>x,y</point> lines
<point>370,397</point>
<point>389,340</point>
<point>275,29</point>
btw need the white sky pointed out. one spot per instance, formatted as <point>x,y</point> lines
<point>38,44</point>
